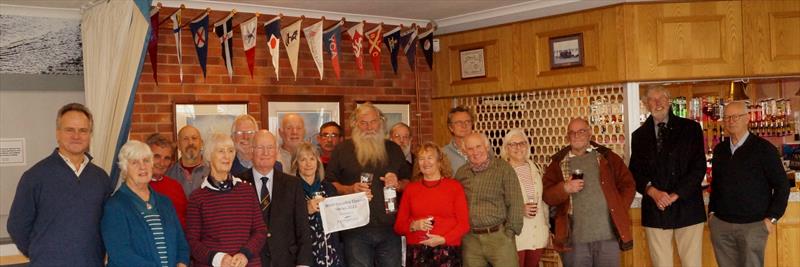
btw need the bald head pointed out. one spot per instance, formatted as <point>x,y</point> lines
<point>189,143</point>
<point>579,133</point>
<point>292,131</point>
<point>265,151</point>
<point>476,145</point>
<point>735,119</point>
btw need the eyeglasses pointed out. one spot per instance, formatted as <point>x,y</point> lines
<point>329,135</point>
<point>369,123</point>
<point>462,123</point>
<point>401,137</point>
<point>241,133</point>
<point>734,118</point>
<point>581,133</point>
<point>266,149</point>
<point>520,144</point>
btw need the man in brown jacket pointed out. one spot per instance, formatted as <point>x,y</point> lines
<point>591,223</point>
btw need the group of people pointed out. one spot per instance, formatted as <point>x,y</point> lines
<point>244,199</point>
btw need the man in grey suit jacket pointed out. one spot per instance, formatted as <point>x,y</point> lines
<point>283,207</point>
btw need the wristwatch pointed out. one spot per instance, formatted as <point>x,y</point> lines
<point>773,221</point>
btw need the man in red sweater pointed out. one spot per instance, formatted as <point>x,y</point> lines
<point>163,157</point>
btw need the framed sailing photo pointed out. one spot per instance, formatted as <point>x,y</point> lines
<point>566,51</point>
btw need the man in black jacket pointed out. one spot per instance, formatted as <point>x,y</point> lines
<point>668,163</point>
<point>283,207</point>
<point>748,195</point>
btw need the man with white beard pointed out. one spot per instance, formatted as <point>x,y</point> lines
<point>368,152</point>
<point>189,170</point>
<point>400,134</point>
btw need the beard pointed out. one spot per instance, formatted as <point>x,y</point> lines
<point>407,151</point>
<point>370,148</point>
<point>191,152</point>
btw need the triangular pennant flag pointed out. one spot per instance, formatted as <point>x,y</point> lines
<point>357,36</point>
<point>176,31</point>
<point>313,35</point>
<point>199,28</point>
<point>272,29</point>
<point>332,38</point>
<point>426,41</point>
<point>152,46</point>
<point>291,40</point>
<point>224,30</point>
<point>392,39</point>
<point>374,39</point>
<point>408,42</point>
<point>249,29</point>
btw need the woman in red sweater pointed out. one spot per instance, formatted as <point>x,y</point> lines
<point>224,223</point>
<point>433,211</point>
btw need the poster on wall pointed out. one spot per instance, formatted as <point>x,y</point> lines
<point>314,115</point>
<point>208,118</point>
<point>12,152</point>
<point>40,45</point>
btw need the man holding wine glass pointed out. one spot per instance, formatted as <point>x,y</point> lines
<point>592,190</point>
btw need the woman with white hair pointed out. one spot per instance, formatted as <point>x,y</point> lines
<point>139,226</point>
<point>306,164</point>
<point>535,233</point>
<point>224,224</point>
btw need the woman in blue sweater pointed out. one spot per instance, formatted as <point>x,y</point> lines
<point>139,226</point>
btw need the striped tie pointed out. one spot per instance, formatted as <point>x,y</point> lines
<point>265,200</point>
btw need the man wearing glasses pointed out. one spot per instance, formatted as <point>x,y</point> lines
<point>668,163</point>
<point>592,190</point>
<point>330,135</point>
<point>749,192</point>
<point>459,121</point>
<point>400,134</point>
<point>242,131</point>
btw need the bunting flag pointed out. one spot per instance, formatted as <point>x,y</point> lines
<point>272,29</point>
<point>408,42</point>
<point>176,31</point>
<point>313,35</point>
<point>249,29</point>
<point>291,40</point>
<point>152,46</point>
<point>392,39</point>
<point>199,28</point>
<point>332,38</point>
<point>374,39</point>
<point>357,36</point>
<point>426,41</point>
<point>224,30</point>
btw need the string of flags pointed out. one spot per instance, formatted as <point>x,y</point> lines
<point>322,43</point>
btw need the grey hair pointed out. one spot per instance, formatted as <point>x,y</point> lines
<point>243,117</point>
<point>215,140</point>
<point>307,148</point>
<point>399,124</point>
<point>132,150</point>
<point>364,108</point>
<point>659,89</point>
<point>506,140</point>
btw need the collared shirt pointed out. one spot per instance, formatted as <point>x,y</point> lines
<point>493,196</point>
<point>79,170</point>
<point>740,143</point>
<point>655,123</point>
<point>457,158</point>
<point>257,180</point>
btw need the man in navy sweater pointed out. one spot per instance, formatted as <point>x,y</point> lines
<point>55,216</point>
<point>749,193</point>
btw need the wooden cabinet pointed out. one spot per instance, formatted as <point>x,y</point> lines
<point>771,37</point>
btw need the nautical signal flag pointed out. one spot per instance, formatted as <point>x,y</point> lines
<point>152,46</point>
<point>291,40</point>
<point>199,28</point>
<point>313,35</point>
<point>176,31</point>
<point>249,29</point>
<point>392,41</point>
<point>374,38</point>
<point>357,36</point>
<point>272,29</point>
<point>408,42</point>
<point>224,30</point>
<point>332,38</point>
<point>426,40</point>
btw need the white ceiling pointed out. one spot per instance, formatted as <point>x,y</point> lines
<point>448,15</point>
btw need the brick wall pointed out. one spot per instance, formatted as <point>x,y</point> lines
<point>153,106</point>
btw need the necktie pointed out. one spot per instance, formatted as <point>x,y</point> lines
<point>265,200</point>
<point>661,136</point>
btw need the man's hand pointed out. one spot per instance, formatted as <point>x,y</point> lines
<point>433,240</point>
<point>573,186</point>
<point>662,199</point>
<point>770,226</point>
<point>362,187</point>
<point>390,180</point>
<point>313,205</point>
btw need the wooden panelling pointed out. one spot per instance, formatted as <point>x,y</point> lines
<point>788,236</point>
<point>440,107</point>
<point>771,37</point>
<point>602,49</point>
<point>495,41</point>
<point>669,41</point>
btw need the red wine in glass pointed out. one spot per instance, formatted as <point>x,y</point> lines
<point>577,174</point>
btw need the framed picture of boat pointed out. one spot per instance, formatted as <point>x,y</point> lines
<point>566,51</point>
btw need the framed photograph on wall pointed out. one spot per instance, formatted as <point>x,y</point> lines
<point>315,113</point>
<point>208,117</point>
<point>473,64</point>
<point>566,51</point>
<point>394,112</point>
